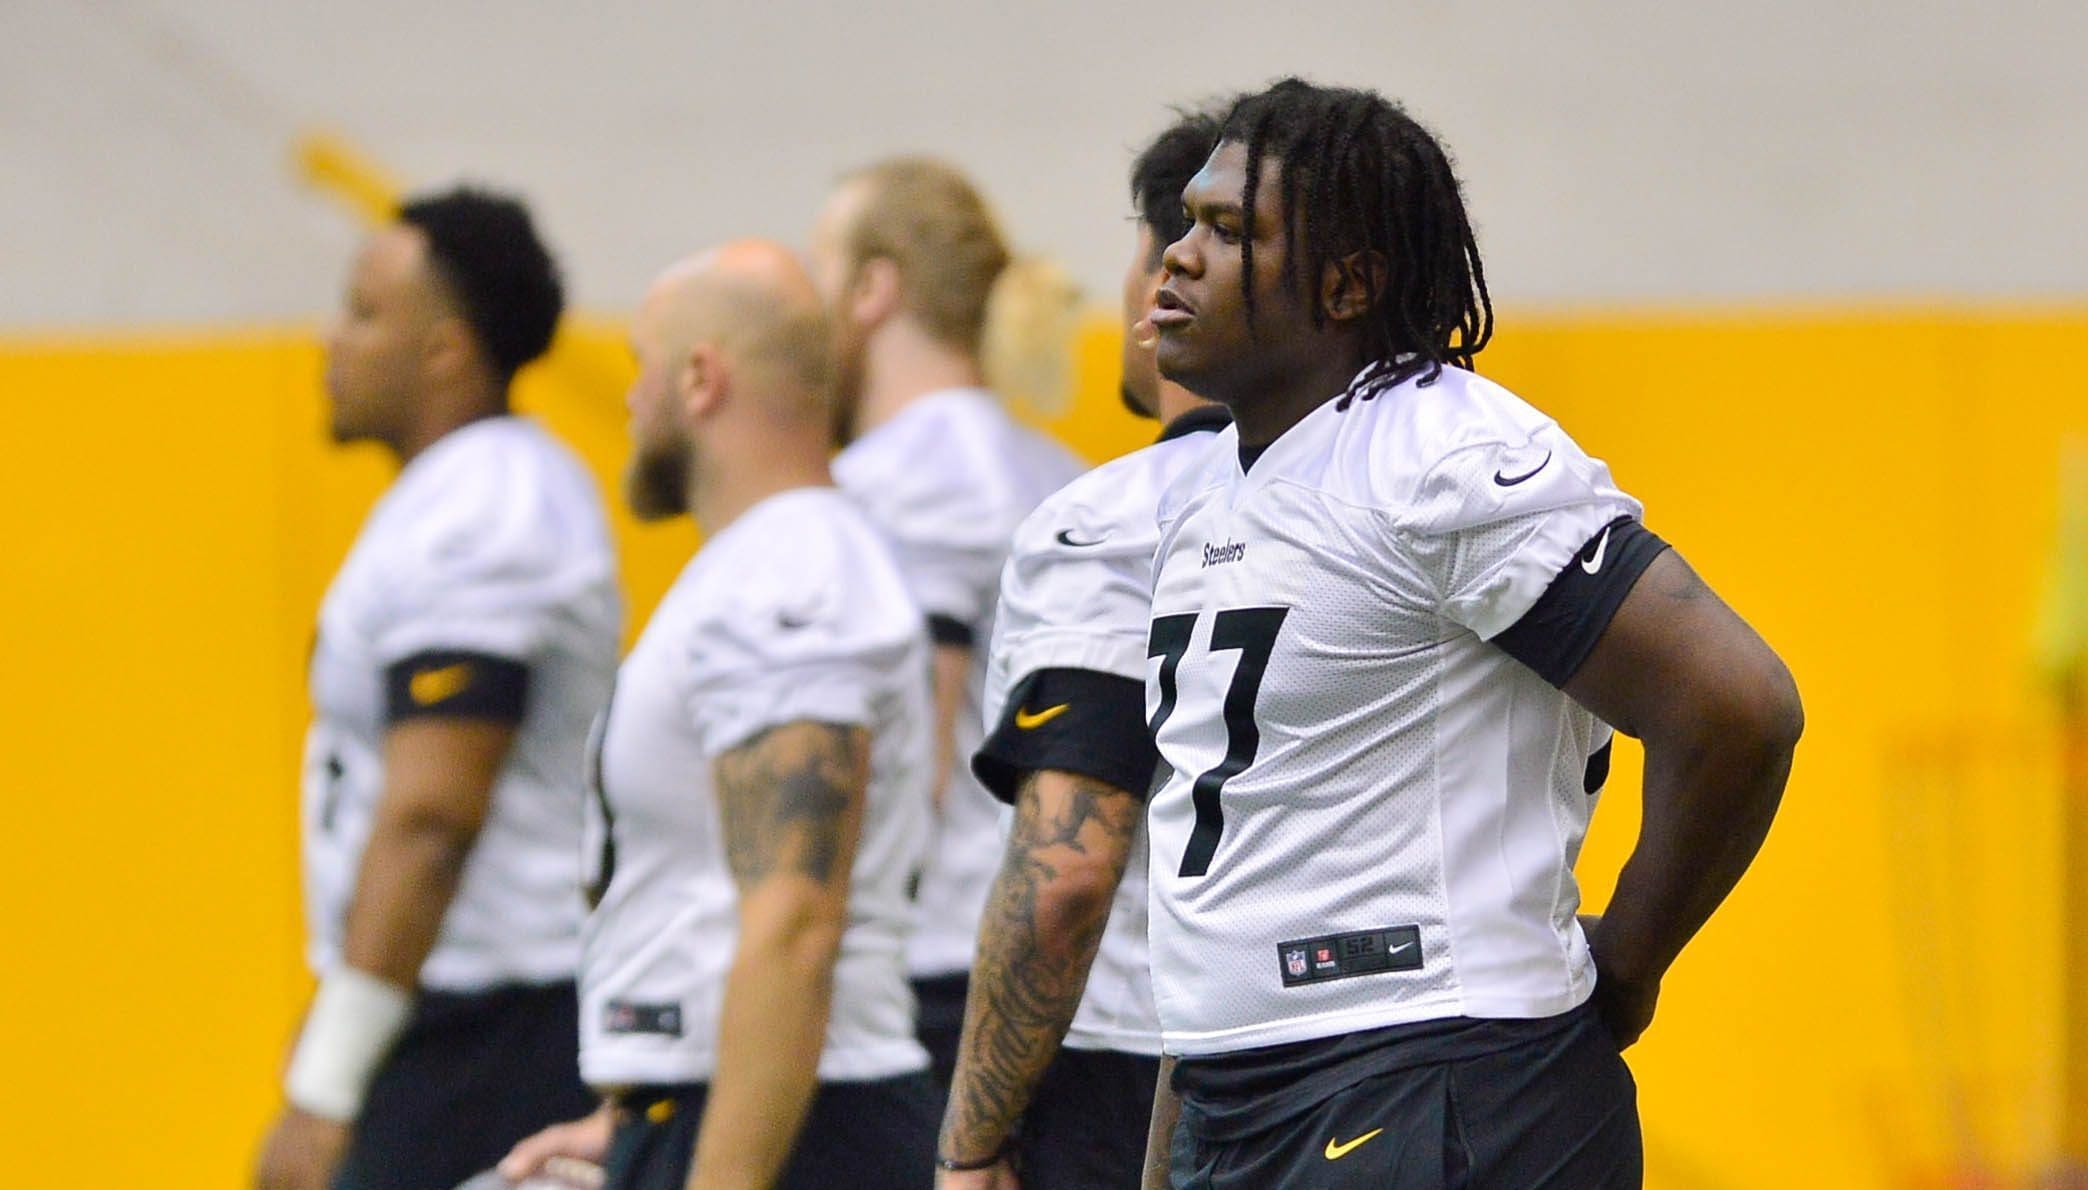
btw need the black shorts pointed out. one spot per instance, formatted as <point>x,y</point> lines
<point>1556,1112</point>
<point>473,1073</point>
<point>1086,1126</point>
<point>875,1135</point>
<point>939,1021</point>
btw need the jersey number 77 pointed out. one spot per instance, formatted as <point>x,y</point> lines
<point>1251,631</point>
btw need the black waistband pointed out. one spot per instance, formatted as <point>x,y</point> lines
<point>638,1097</point>
<point>436,1010</point>
<point>1232,1095</point>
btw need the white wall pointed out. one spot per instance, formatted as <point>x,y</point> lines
<point>1616,152</point>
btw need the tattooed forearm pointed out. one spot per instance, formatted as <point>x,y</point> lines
<point>788,796</point>
<point>1043,923</point>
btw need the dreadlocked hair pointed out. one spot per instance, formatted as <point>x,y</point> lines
<point>1359,175</point>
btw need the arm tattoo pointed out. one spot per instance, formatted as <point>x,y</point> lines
<point>1031,971</point>
<point>786,796</point>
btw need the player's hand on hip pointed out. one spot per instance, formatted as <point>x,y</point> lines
<point>557,1149</point>
<point>1624,1003</point>
<point>301,1152</point>
<point>998,1176</point>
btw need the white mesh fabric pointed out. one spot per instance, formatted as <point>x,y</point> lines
<point>796,611</point>
<point>1408,774</point>
<point>947,480</point>
<point>492,540</point>
<point>1077,594</point>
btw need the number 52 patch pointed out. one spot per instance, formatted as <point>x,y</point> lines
<point>1339,956</point>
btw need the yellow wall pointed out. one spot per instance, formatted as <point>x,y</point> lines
<point>1875,492</point>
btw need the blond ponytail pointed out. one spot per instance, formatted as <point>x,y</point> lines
<point>1026,349</point>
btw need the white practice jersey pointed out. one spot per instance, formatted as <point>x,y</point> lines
<point>795,612</point>
<point>491,543</point>
<point>1373,812</point>
<point>947,480</point>
<point>1077,595</point>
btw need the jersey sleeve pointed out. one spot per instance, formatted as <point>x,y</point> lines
<point>487,565</point>
<point>950,571</point>
<point>471,603</point>
<point>1494,523</point>
<point>1561,629</point>
<point>947,483</point>
<point>1066,680</point>
<point>949,584</point>
<point>485,560</point>
<point>1076,593</point>
<point>789,647</point>
<point>949,522</point>
<point>1073,721</point>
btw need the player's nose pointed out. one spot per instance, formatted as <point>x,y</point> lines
<point>1181,258</point>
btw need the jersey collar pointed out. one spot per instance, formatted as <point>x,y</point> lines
<point>1372,379</point>
<point>1204,419</point>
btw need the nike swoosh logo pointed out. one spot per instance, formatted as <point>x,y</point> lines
<point>1336,1152</point>
<point>431,686</point>
<point>1593,562</point>
<point>1028,721</point>
<point>1400,947</point>
<point>1507,482</point>
<point>1065,537</point>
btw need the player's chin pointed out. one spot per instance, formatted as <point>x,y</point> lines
<point>1177,356</point>
<point>1134,404</point>
<point>343,430</point>
<point>654,491</point>
<point>649,507</point>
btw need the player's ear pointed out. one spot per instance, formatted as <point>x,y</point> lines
<point>701,381</point>
<point>1350,286</point>
<point>875,294</point>
<point>448,347</point>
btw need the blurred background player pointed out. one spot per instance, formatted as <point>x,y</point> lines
<point>1393,608</point>
<point>761,791</point>
<point>462,651</point>
<point>909,258</point>
<point>1065,693</point>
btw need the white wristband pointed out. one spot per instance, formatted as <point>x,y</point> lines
<point>355,1018</point>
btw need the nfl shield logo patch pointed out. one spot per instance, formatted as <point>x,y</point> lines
<point>1294,962</point>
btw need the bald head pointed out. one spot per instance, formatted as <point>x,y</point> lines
<point>752,301</point>
<point>735,385</point>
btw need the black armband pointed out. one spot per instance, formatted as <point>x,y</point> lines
<point>1559,631</point>
<point>949,630</point>
<point>453,684</point>
<point>1073,720</point>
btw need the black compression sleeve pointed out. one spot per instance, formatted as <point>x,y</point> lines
<point>949,630</point>
<point>1074,720</point>
<point>1559,631</point>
